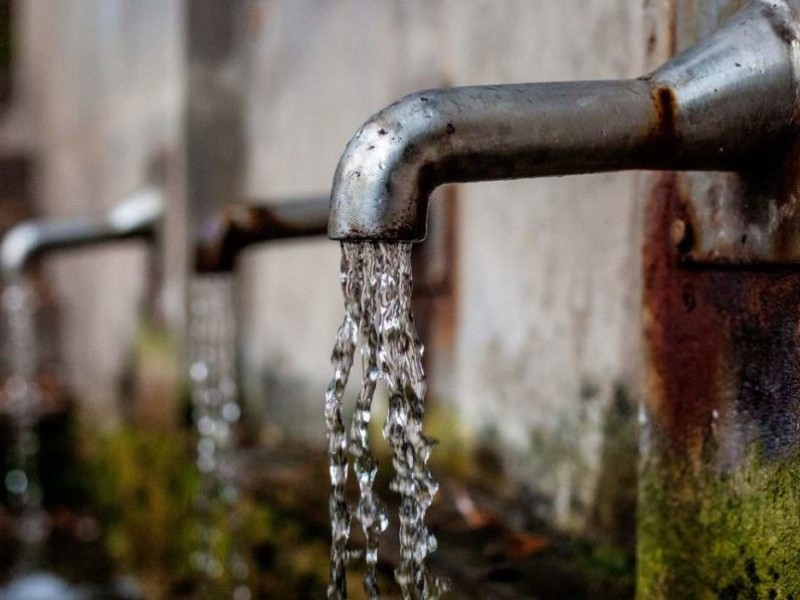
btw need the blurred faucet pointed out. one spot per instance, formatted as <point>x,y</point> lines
<point>238,226</point>
<point>729,103</point>
<point>137,217</point>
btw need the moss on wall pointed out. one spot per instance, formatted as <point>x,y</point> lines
<point>703,533</point>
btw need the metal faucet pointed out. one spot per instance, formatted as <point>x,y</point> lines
<point>237,227</point>
<point>730,103</point>
<point>137,217</point>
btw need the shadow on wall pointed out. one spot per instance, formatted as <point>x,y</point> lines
<point>579,488</point>
<point>614,513</point>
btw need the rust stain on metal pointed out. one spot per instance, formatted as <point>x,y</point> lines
<point>721,342</point>
<point>682,236</point>
<point>665,111</point>
<point>221,241</point>
<point>233,230</point>
<point>681,328</point>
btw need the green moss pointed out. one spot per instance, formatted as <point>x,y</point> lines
<point>613,516</point>
<point>703,533</point>
<point>144,488</point>
<point>145,484</point>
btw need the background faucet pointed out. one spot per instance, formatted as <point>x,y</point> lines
<point>727,104</point>
<point>238,226</point>
<point>137,217</point>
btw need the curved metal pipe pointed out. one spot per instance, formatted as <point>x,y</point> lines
<point>727,104</point>
<point>239,226</point>
<point>137,217</point>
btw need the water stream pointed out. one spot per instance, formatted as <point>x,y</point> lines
<point>218,559</point>
<point>377,284</point>
<point>23,403</point>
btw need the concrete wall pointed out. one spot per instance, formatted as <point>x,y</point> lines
<point>547,324</point>
<point>548,283</point>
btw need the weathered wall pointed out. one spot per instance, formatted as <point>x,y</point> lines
<point>548,283</point>
<point>101,94</point>
<point>547,327</point>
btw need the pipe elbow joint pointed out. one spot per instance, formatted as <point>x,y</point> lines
<point>389,168</point>
<point>223,237</point>
<point>18,250</point>
<point>140,215</point>
<point>243,224</point>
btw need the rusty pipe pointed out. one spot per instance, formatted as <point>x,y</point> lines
<point>137,217</point>
<point>237,227</point>
<point>727,104</point>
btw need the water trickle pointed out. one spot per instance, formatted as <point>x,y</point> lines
<point>377,284</point>
<point>342,360</point>
<point>23,404</point>
<point>215,411</point>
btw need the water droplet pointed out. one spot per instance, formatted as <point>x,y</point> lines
<point>242,593</point>
<point>16,482</point>
<point>199,372</point>
<point>15,298</point>
<point>231,412</point>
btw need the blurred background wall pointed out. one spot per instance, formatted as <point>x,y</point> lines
<point>98,94</point>
<point>535,348</point>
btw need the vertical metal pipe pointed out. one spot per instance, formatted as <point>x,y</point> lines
<point>214,126</point>
<point>719,508</point>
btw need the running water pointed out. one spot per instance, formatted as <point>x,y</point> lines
<point>222,566</point>
<point>23,402</point>
<point>377,285</point>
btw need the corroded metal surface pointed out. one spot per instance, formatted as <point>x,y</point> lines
<point>719,445</point>
<point>750,218</point>
<point>724,348</point>
<point>223,237</point>
<point>721,291</point>
<point>718,501</point>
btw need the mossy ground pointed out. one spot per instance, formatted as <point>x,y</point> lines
<point>142,484</point>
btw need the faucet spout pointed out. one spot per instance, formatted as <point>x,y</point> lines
<point>728,104</point>
<point>226,235</point>
<point>138,217</point>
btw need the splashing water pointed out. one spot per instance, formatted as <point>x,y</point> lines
<point>377,285</point>
<point>216,410</point>
<point>23,401</point>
